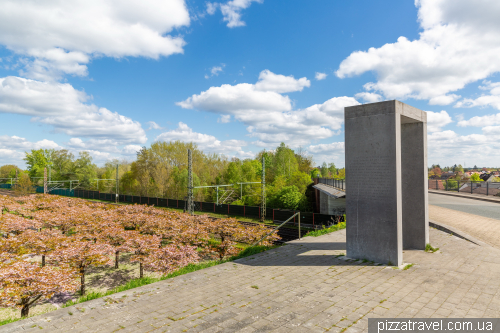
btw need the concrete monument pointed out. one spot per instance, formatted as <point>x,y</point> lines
<point>386,178</point>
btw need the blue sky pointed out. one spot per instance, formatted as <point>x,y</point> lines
<point>243,75</point>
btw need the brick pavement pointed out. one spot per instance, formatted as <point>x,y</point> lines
<point>301,287</point>
<point>483,228</point>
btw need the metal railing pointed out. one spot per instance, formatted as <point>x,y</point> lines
<point>338,183</point>
<point>282,224</point>
<point>471,187</point>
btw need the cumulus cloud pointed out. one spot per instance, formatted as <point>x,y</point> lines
<point>480,148</point>
<point>493,99</point>
<point>65,108</point>
<point>268,81</point>
<point>369,97</point>
<point>320,76</point>
<point>231,11</point>
<point>328,152</point>
<point>62,36</point>
<point>459,44</point>
<point>268,115</point>
<point>437,120</point>
<point>205,142</point>
<point>481,121</point>
<point>15,142</point>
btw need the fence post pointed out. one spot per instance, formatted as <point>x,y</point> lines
<point>313,219</point>
<point>273,215</point>
<point>446,184</point>
<point>471,187</point>
<point>487,188</point>
<point>299,224</point>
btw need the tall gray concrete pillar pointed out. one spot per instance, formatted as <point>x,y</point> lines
<point>386,178</point>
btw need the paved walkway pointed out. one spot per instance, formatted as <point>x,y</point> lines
<point>483,228</point>
<point>301,287</point>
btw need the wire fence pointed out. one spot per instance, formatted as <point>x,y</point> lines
<point>471,187</point>
<point>314,220</point>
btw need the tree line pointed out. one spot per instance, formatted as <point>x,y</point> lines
<point>162,171</point>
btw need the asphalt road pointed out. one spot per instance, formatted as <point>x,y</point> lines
<point>471,206</point>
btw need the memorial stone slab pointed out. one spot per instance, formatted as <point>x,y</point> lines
<point>386,174</point>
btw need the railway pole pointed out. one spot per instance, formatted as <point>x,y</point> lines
<point>263,204</point>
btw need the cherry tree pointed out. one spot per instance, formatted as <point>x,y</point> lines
<point>15,224</point>
<point>170,258</point>
<point>79,255</point>
<point>23,283</point>
<point>142,245</point>
<point>229,231</point>
<point>41,242</point>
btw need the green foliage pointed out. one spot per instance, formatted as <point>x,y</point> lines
<point>475,178</point>
<point>429,248</point>
<point>315,173</point>
<point>24,186</point>
<point>324,231</point>
<point>37,160</point>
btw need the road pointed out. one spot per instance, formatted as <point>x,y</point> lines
<point>471,206</point>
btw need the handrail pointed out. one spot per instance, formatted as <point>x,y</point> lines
<point>282,224</point>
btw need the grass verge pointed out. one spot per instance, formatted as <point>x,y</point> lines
<point>324,231</point>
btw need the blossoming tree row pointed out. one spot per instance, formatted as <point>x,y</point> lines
<point>71,235</point>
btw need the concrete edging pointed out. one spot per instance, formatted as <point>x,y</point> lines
<point>456,232</point>
<point>465,196</point>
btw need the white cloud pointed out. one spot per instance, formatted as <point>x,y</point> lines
<point>328,152</point>
<point>320,76</point>
<point>61,36</point>
<point>481,121</point>
<point>237,98</point>
<point>211,8</point>
<point>131,149</point>
<point>448,148</point>
<point>268,81</point>
<point>369,97</point>
<point>485,100</point>
<point>268,115</point>
<point>224,119</point>
<point>437,120</point>
<point>15,142</point>
<point>11,156</point>
<point>214,71</point>
<point>205,142</point>
<point>63,107</point>
<point>232,11</point>
<point>459,45</point>
<point>153,125</point>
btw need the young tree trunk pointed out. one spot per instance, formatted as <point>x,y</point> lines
<point>141,270</point>
<point>117,255</point>
<point>43,260</point>
<point>82,281</point>
<point>25,310</point>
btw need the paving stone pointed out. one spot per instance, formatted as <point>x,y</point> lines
<point>302,288</point>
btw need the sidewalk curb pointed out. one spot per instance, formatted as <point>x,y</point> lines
<point>465,196</point>
<point>456,232</point>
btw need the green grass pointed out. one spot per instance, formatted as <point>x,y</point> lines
<point>407,267</point>
<point>429,248</point>
<point>135,283</point>
<point>324,231</point>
